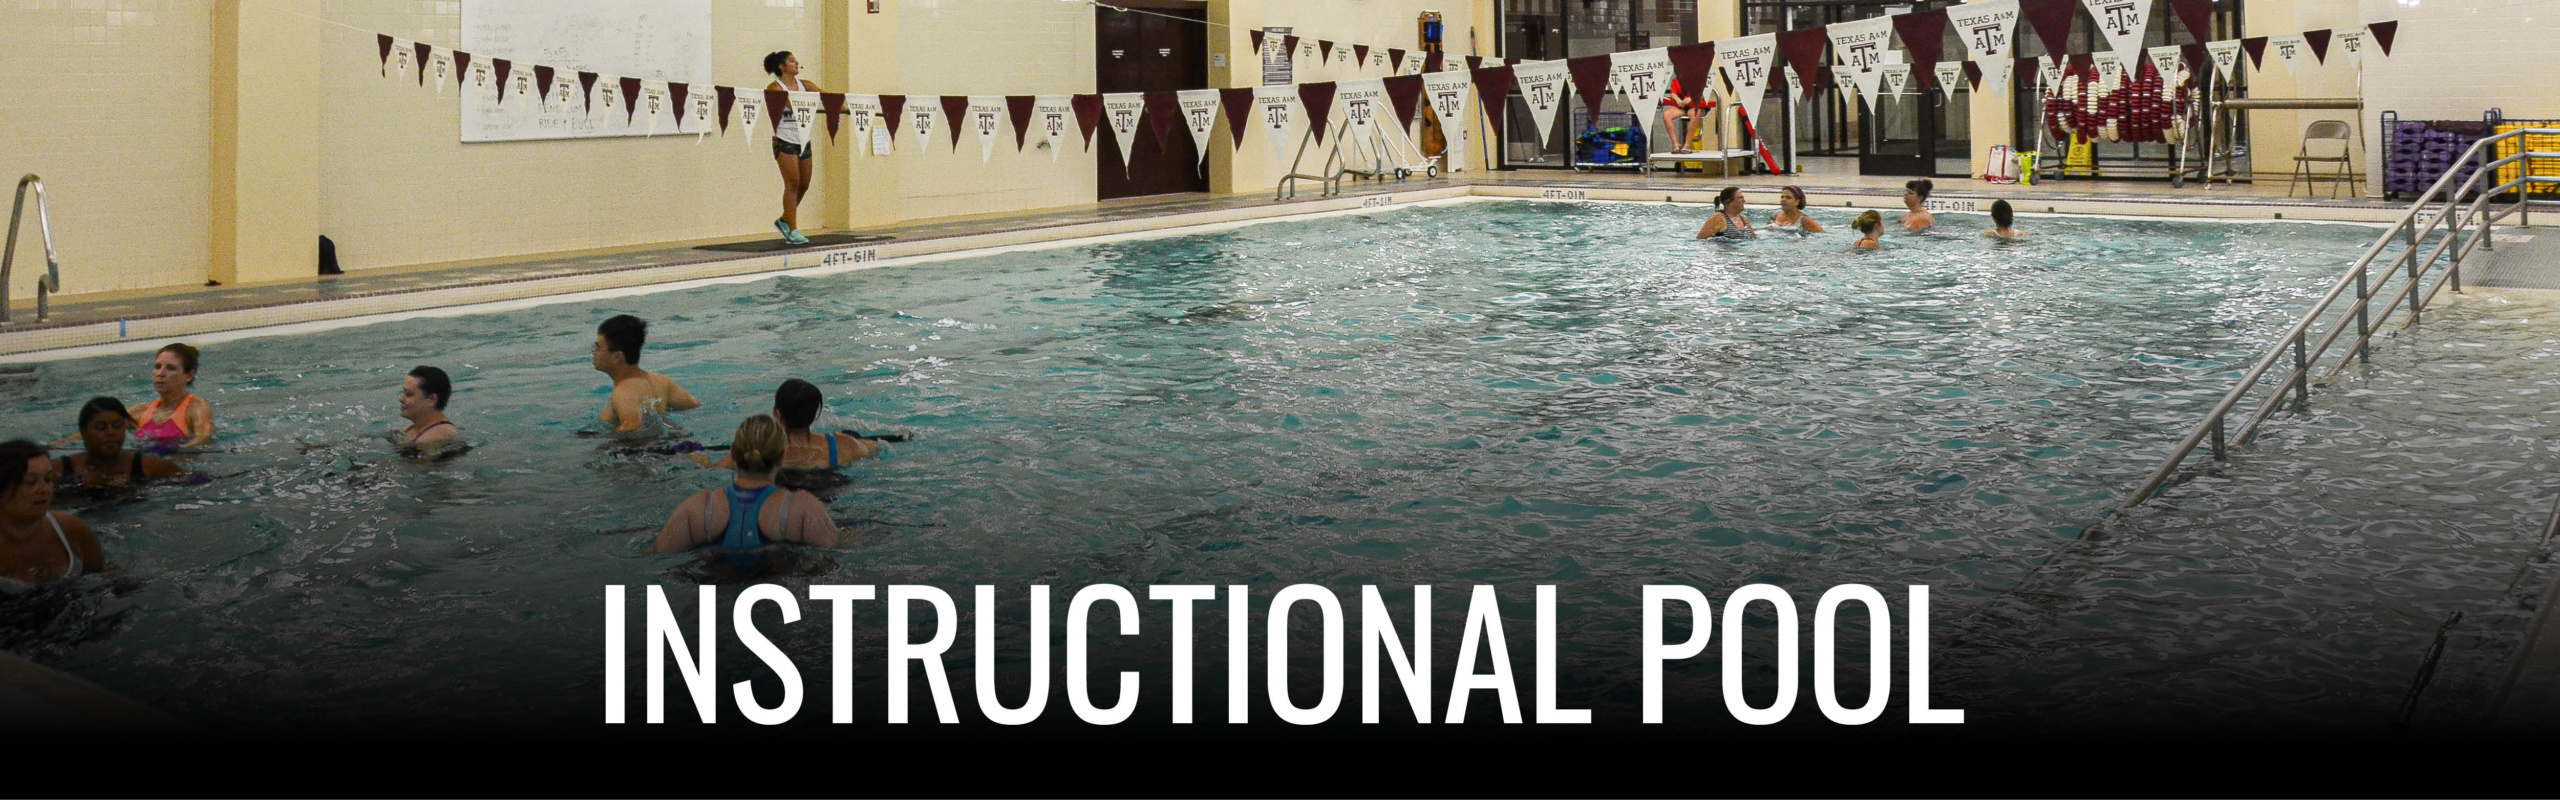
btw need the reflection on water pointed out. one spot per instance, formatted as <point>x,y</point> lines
<point>1508,394</point>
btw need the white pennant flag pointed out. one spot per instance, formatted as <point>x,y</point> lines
<point>439,68</point>
<point>862,112</point>
<point>1795,86</point>
<point>922,109</point>
<point>986,116</point>
<point>1541,84</point>
<point>2349,44</point>
<point>2287,47</point>
<point>1746,63</point>
<point>609,101</point>
<point>699,108</point>
<point>748,109</point>
<point>1271,107</point>
<point>1641,76</point>
<point>403,51</point>
<point>2049,74</point>
<point>2110,69</point>
<point>2226,54</point>
<point>2123,22</point>
<point>1200,114</point>
<point>1950,73</point>
<point>1989,30</point>
<point>1056,115</point>
<point>480,81</point>
<point>1378,59</point>
<point>563,89</point>
<point>1342,55</point>
<point>654,101</point>
<point>1896,76</point>
<point>808,109</point>
<point>1448,95</point>
<point>1413,62</point>
<point>1122,111</point>
<point>1859,46</point>
<point>1361,101</point>
<point>2164,60</point>
<point>1307,51</point>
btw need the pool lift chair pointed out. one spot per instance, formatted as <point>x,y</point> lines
<point>52,280</point>
<point>1387,151</point>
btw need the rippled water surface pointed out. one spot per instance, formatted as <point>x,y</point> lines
<point>1495,393</point>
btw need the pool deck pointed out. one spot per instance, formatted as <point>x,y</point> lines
<point>114,322</point>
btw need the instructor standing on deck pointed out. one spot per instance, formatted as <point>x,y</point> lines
<point>793,151</point>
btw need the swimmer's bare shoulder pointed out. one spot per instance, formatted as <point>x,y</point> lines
<point>676,398</point>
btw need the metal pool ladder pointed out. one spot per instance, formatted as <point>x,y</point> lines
<point>2440,207</point>
<point>52,281</point>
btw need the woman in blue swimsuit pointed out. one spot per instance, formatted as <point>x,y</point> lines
<point>752,512</point>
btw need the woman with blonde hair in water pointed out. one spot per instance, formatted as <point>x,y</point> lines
<point>1869,226</point>
<point>739,520</point>
<point>1791,216</point>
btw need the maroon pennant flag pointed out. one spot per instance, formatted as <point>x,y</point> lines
<point>1474,63</point>
<point>728,97</point>
<point>1359,54</point>
<point>1324,48</point>
<point>1689,65</point>
<point>955,108</point>
<point>2319,41</point>
<point>587,88</point>
<point>2052,21</point>
<point>461,64</point>
<point>675,94</point>
<point>1020,107</point>
<point>1395,60</point>
<point>1239,106</point>
<point>2198,15</point>
<point>1257,40</point>
<point>1822,79</point>
<point>1434,62</point>
<point>1164,112</point>
<point>1803,51</point>
<point>2084,65</point>
<point>630,99</point>
<point>383,40</point>
<point>1973,75</point>
<point>2382,32</point>
<point>1922,34</point>
<point>890,105</point>
<point>504,69</point>
<point>1404,91</point>
<point>1318,98</point>
<point>775,102</point>
<point>1290,43</point>
<point>1493,88</point>
<point>541,82</point>
<point>833,102</point>
<point>1088,115</point>
<point>1590,75</point>
<point>2256,47</point>
<point>423,49</point>
<point>1511,62</point>
<point>2194,55</point>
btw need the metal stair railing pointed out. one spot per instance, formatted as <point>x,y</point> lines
<point>2454,218</point>
<point>52,280</point>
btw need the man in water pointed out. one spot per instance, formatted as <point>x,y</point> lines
<point>635,391</point>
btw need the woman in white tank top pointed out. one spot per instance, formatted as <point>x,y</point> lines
<point>793,150</point>
<point>38,545</point>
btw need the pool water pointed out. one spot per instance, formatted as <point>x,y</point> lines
<point>1502,393</point>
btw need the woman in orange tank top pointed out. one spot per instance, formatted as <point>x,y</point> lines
<point>177,418</point>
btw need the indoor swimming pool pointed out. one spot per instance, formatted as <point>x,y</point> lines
<point>1505,393</point>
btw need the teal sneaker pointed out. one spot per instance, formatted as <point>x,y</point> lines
<point>794,237</point>
<point>782,226</point>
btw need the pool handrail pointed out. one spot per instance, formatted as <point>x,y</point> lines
<point>2455,218</point>
<point>52,280</point>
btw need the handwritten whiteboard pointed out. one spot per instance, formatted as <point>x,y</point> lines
<point>661,40</point>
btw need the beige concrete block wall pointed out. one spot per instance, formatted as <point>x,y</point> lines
<point>963,48</point>
<point>1377,23</point>
<point>2455,60</point>
<point>398,186</point>
<point>109,102</point>
<point>2276,136</point>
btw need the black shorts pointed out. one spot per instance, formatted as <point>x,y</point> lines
<point>801,150</point>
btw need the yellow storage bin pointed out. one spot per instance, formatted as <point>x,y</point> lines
<point>2537,143</point>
